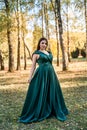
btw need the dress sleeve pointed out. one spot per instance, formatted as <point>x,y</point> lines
<point>35,52</point>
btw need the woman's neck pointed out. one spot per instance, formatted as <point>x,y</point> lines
<point>42,50</point>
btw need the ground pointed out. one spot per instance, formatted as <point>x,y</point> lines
<point>13,88</point>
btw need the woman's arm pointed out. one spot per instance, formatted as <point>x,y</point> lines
<point>34,58</point>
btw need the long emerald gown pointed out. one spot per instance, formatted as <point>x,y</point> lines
<point>44,96</point>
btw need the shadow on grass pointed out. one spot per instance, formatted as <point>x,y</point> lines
<point>12,101</point>
<point>9,81</point>
<point>23,80</point>
<point>74,79</point>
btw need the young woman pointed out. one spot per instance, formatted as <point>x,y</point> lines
<point>44,97</point>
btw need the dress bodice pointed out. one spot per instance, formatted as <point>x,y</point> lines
<point>44,58</point>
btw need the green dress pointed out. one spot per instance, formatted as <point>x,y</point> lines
<point>44,96</point>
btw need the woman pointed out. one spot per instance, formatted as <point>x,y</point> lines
<point>44,97</point>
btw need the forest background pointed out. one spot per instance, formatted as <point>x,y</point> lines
<point>23,22</point>
<point>64,24</point>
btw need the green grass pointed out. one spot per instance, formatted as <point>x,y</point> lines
<point>13,88</point>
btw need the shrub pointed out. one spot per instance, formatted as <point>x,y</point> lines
<point>83,53</point>
<point>75,53</point>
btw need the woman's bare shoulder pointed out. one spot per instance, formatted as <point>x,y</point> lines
<point>35,54</point>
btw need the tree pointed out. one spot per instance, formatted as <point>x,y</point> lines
<point>66,18</point>
<point>68,43</point>
<point>46,20</point>
<point>10,45</point>
<point>23,30</point>
<point>43,19</point>
<point>64,54</point>
<point>82,5</point>
<point>1,61</point>
<point>85,6</point>
<point>18,28</point>
<point>56,28</point>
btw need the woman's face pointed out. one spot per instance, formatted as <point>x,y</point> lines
<point>43,45</point>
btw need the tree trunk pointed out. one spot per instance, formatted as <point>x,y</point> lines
<point>1,61</point>
<point>26,47</point>
<point>46,21</point>
<point>68,45</point>
<point>85,5</point>
<point>56,26</point>
<point>28,51</point>
<point>10,45</point>
<point>18,27</point>
<point>42,19</point>
<point>23,35</point>
<point>64,54</point>
<point>25,62</point>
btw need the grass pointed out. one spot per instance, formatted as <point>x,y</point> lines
<point>13,88</point>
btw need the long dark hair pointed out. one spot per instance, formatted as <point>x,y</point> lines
<point>41,39</point>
